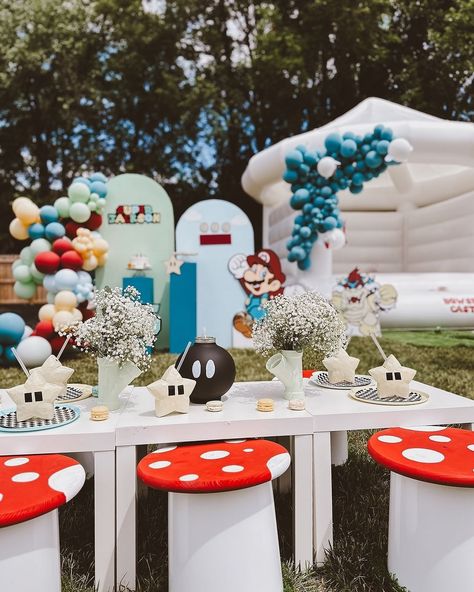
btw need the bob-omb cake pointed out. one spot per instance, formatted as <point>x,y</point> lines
<point>211,366</point>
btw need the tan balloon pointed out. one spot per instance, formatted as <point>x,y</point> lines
<point>62,320</point>
<point>19,202</point>
<point>90,263</point>
<point>27,212</point>
<point>77,315</point>
<point>65,300</point>
<point>100,246</point>
<point>18,230</point>
<point>102,260</point>
<point>47,312</point>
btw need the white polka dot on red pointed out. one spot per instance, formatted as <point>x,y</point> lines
<point>248,449</point>
<point>1,496</point>
<point>471,447</point>
<point>214,454</point>
<point>387,439</point>
<point>165,449</point>
<point>190,477</point>
<point>160,464</point>
<point>439,438</point>
<point>232,469</point>
<point>16,462</point>
<point>25,477</point>
<point>423,455</point>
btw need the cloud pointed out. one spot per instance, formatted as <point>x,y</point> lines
<point>192,216</point>
<point>239,220</point>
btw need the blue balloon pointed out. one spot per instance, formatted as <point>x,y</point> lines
<point>50,284</point>
<point>330,223</point>
<point>303,169</point>
<point>382,147</point>
<point>348,136</point>
<point>307,208</point>
<point>326,191</point>
<point>305,232</point>
<point>333,142</point>
<point>310,158</point>
<point>387,134</point>
<point>12,327</point>
<point>378,129</point>
<point>9,355</point>
<point>98,177</point>
<point>298,253</point>
<point>36,231</point>
<point>82,180</point>
<point>305,263</point>
<point>290,176</point>
<point>48,214</point>
<point>365,148</point>
<point>99,188</point>
<point>299,219</point>
<point>349,169</point>
<point>54,230</point>
<point>373,160</point>
<point>355,188</point>
<point>301,148</point>
<point>348,148</point>
<point>293,159</point>
<point>66,279</point>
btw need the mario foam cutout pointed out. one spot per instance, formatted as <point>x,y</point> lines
<point>360,299</point>
<point>215,230</point>
<point>261,277</point>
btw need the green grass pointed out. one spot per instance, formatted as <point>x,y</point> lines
<point>357,563</point>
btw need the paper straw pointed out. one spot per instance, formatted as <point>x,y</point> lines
<point>378,346</point>
<point>185,353</point>
<point>63,347</point>
<point>20,361</point>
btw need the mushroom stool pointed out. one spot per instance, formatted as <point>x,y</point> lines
<point>431,518</point>
<point>31,490</point>
<point>222,533</point>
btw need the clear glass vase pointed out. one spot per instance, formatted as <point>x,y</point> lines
<point>113,378</point>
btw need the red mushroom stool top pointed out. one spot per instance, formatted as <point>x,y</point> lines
<point>308,373</point>
<point>34,485</point>
<point>213,467</point>
<point>427,453</point>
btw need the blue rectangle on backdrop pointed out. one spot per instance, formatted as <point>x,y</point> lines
<point>183,316</point>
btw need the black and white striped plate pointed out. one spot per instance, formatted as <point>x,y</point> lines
<point>321,379</point>
<point>63,414</point>
<point>370,395</point>
<point>75,392</point>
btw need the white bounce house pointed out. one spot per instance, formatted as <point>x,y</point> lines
<point>412,227</point>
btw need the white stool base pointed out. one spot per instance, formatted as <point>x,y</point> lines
<point>339,448</point>
<point>431,535</point>
<point>29,555</point>
<point>224,542</point>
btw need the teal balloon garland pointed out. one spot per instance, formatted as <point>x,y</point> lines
<point>353,160</point>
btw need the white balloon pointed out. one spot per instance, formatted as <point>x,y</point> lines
<point>27,332</point>
<point>335,238</point>
<point>327,166</point>
<point>399,150</point>
<point>34,351</point>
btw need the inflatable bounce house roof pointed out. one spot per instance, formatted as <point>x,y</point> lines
<point>442,159</point>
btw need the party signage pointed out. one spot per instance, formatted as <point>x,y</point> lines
<point>134,214</point>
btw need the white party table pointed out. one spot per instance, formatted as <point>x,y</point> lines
<point>335,412</point>
<point>82,435</point>
<point>139,425</point>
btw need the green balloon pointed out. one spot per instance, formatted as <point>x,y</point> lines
<point>79,211</point>
<point>39,245</point>
<point>16,263</point>
<point>79,192</point>
<point>92,206</point>
<point>24,290</point>
<point>22,273</point>
<point>94,197</point>
<point>36,275</point>
<point>62,205</point>
<point>27,256</point>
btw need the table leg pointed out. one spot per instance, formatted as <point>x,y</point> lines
<point>126,516</point>
<point>104,508</point>
<point>302,502</point>
<point>339,448</point>
<point>468,426</point>
<point>322,495</point>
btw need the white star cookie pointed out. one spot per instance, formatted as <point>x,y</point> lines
<point>341,367</point>
<point>171,392</point>
<point>35,398</point>
<point>393,379</point>
<point>54,372</point>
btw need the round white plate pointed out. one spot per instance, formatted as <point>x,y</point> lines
<point>370,395</point>
<point>321,379</point>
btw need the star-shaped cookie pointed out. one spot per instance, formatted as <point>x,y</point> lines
<point>171,392</point>
<point>393,379</point>
<point>35,398</point>
<point>341,367</point>
<point>54,372</point>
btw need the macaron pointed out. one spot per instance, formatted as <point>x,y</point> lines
<point>296,404</point>
<point>99,413</point>
<point>214,406</point>
<point>265,405</point>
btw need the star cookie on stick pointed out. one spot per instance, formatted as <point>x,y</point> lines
<point>341,367</point>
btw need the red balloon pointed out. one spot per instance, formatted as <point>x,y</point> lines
<point>47,262</point>
<point>86,312</point>
<point>61,245</point>
<point>71,260</point>
<point>71,228</point>
<point>44,329</point>
<point>94,221</point>
<point>57,342</point>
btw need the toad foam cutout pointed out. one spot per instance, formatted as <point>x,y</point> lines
<point>171,392</point>
<point>215,230</point>
<point>341,367</point>
<point>393,379</point>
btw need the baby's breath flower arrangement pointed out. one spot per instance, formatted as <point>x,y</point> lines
<point>298,323</point>
<point>122,330</point>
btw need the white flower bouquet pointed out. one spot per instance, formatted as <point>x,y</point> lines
<point>302,322</point>
<point>122,330</point>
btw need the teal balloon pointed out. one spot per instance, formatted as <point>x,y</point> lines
<point>36,231</point>
<point>54,230</point>
<point>27,256</point>
<point>378,129</point>
<point>330,223</point>
<point>12,327</point>
<point>288,176</point>
<point>349,136</point>
<point>373,160</point>
<point>9,355</point>
<point>387,134</point>
<point>40,245</point>
<point>99,187</point>
<point>310,158</point>
<point>382,147</point>
<point>48,214</point>
<point>98,177</point>
<point>326,192</point>
<point>297,253</point>
<point>333,142</point>
<point>62,205</point>
<point>24,290</point>
<point>348,148</point>
<point>355,188</point>
<point>22,273</point>
<point>304,264</point>
<point>82,180</point>
<point>293,159</point>
<point>305,232</point>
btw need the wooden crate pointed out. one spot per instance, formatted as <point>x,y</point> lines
<point>7,295</point>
